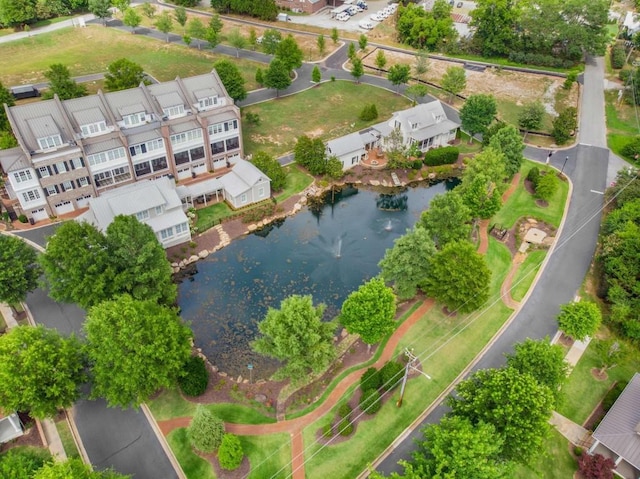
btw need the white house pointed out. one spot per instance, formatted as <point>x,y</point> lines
<point>245,184</point>
<point>153,202</point>
<point>349,149</point>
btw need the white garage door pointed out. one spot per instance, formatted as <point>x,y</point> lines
<point>39,215</point>
<point>83,201</point>
<point>199,168</point>
<point>64,207</point>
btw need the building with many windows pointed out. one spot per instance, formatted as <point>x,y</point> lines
<point>73,150</point>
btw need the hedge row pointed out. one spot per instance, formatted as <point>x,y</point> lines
<point>441,156</point>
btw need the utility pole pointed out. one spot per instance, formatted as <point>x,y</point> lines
<point>411,359</point>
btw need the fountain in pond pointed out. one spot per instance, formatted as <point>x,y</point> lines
<point>234,287</point>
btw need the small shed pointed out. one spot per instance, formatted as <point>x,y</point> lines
<point>24,91</point>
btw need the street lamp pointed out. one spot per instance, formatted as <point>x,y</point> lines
<point>250,368</point>
<point>564,164</point>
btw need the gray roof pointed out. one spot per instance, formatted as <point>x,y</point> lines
<point>202,86</point>
<point>345,144</point>
<point>170,218</point>
<point>220,116</point>
<point>144,136</point>
<point>13,159</point>
<point>43,126</point>
<point>91,115</point>
<point>87,109</point>
<point>434,130</point>
<point>127,102</point>
<point>242,178</point>
<point>201,188</point>
<point>617,431</point>
<point>112,144</point>
<point>169,99</point>
<point>29,118</point>
<point>183,126</point>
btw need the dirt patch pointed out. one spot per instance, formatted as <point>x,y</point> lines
<point>542,203</point>
<point>599,375</point>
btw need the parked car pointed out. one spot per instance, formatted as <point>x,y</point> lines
<point>375,17</point>
<point>460,5</point>
<point>352,10</point>
<point>363,5</point>
<point>365,24</point>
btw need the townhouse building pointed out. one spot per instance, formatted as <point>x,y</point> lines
<point>73,150</point>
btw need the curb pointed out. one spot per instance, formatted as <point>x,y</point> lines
<point>163,443</point>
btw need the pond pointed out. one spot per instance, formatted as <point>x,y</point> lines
<point>327,251</point>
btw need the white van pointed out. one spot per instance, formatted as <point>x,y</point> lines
<point>365,24</point>
<point>283,17</point>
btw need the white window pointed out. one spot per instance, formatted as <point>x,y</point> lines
<point>186,136</point>
<point>231,125</point>
<point>84,181</point>
<point>157,144</point>
<point>135,119</point>
<point>142,215</point>
<point>174,111</point>
<point>51,190</point>
<point>182,228</point>
<point>158,210</point>
<point>215,129</point>
<point>21,176</point>
<point>44,172</point>
<point>261,192</point>
<point>76,163</point>
<point>414,126</point>
<point>61,167</point>
<point>208,102</point>
<point>243,198</point>
<point>93,128</point>
<point>166,233</point>
<point>67,185</point>
<point>105,156</point>
<point>31,195</point>
<point>49,142</point>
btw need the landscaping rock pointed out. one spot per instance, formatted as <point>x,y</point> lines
<point>260,398</point>
<point>203,254</point>
<point>239,379</point>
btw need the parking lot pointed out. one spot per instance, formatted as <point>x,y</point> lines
<point>324,18</point>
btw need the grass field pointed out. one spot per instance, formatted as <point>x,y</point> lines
<point>91,49</point>
<point>623,122</point>
<point>526,273</point>
<point>521,203</point>
<point>284,120</point>
<point>269,456</point>
<point>555,461</point>
<point>194,466</point>
<point>66,437</point>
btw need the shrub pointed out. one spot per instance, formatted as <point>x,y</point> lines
<point>547,186</point>
<point>416,164</point>
<point>24,462</point>
<point>624,74</point>
<point>230,454</point>
<point>539,59</point>
<point>534,176</point>
<point>369,112</point>
<point>194,378</point>
<point>446,155</point>
<point>578,451</point>
<point>613,395</point>
<point>564,125</point>
<point>371,379</point>
<point>22,218</point>
<point>631,149</point>
<point>252,118</point>
<point>206,430</point>
<point>391,374</point>
<point>571,79</point>
<point>345,426</point>
<point>344,410</point>
<point>618,56</point>
<point>596,466</point>
<point>370,401</point>
<point>327,431</point>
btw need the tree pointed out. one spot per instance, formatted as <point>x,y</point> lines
<point>164,23</point>
<point>564,125</point>
<point>296,335</point>
<point>277,76</point>
<point>515,404</point>
<point>399,75</point>
<point>23,463</point>
<point>351,51</point>
<point>316,75</point>
<point>123,74</point>
<point>357,70</point>
<point>120,5</point>
<point>362,42</point>
<point>80,275</point>
<point>422,64</point>
<point>334,35</point>
<point>270,40</point>
<point>148,10</point>
<point>230,453</point>
<point>542,360</point>
<point>180,14</point>
<point>439,455</point>
<point>426,29</point>
<point>417,91</point>
<point>40,371</point>
<point>491,164</point>
<point>407,264</point>
<point>447,219</point>
<point>20,270</point>
<point>132,19</point>
<point>206,431</point>
<point>477,113</point>
<point>100,8</point>
<point>61,83</point>
<point>380,60</point>
<point>196,29</point>
<point>215,23</point>
<point>139,261</point>
<point>531,116</point>
<point>579,319</point>
<point>547,186</point>
<point>459,277</point>
<point>322,44</point>
<point>289,53</point>
<point>596,466</point>
<point>609,353</point>
<point>253,38</point>
<point>480,195</point>
<point>259,76</point>
<point>370,311</point>
<point>272,168</point>
<point>507,140</point>
<point>74,468</point>
<point>311,154</point>
<point>211,35</point>
<point>5,97</point>
<point>231,79</point>
<point>134,348</point>
<point>237,41</point>
<point>454,81</point>
<point>333,167</point>
<point>494,21</point>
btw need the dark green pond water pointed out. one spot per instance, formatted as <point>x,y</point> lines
<point>327,253</point>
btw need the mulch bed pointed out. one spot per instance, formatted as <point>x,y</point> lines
<point>31,436</point>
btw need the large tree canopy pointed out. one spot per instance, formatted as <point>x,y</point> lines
<point>134,348</point>
<point>507,140</point>
<point>74,468</point>
<point>495,22</point>
<point>123,74</point>
<point>296,334</point>
<point>61,83</point>
<point>370,311</point>
<point>407,263</point>
<point>579,319</point>
<point>447,219</point>
<point>477,113</point>
<point>40,371</point>
<point>272,168</point>
<point>19,269</point>
<point>426,29</point>
<point>231,79</point>
<point>289,52</point>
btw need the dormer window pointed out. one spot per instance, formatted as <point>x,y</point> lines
<point>397,124</point>
<point>94,128</point>
<point>414,126</point>
<point>439,118</point>
<point>142,215</point>
<point>174,111</point>
<point>47,142</point>
<point>135,119</point>
<point>208,102</point>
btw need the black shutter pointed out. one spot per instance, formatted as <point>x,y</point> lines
<point>55,169</point>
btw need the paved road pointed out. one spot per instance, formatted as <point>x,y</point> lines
<point>587,166</point>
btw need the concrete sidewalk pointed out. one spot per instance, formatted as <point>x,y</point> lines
<point>72,22</point>
<point>575,433</point>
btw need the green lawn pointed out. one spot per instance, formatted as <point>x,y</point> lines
<point>91,49</point>
<point>526,273</point>
<point>556,461</point>
<point>622,123</point>
<point>297,181</point>
<point>41,23</point>
<point>509,111</point>
<point>521,203</point>
<point>583,392</point>
<point>285,119</point>
<point>170,404</point>
<point>193,465</point>
<point>269,455</point>
<point>211,215</point>
<point>66,437</point>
